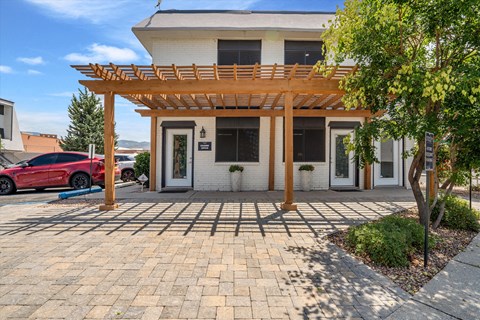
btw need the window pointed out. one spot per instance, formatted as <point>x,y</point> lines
<point>303,52</point>
<point>2,109</point>
<point>308,139</point>
<point>46,159</point>
<point>2,133</point>
<point>240,52</point>
<point>70,157</point>
<point>237,140</point>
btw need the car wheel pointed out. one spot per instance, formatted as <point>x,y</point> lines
<point>6,186</point>
<point>80,181</point>
<point>128,175</point>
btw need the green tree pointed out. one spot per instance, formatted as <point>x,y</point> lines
<point>86,126</point>
<point>416,59</point>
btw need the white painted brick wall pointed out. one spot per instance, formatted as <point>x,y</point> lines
<point>185,51</point>
<point>212,176</point>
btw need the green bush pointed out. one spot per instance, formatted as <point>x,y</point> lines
<point>306,167</point>
<point>390,241</point>
<point>458,214</point>
<point>142,164</point>
<point>235,167</point>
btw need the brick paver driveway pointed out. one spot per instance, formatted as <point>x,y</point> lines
<point>188,259</point>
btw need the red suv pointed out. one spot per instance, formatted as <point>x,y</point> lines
<point>60,169</point>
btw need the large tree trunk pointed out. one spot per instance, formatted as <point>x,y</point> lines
<point>414,176</point>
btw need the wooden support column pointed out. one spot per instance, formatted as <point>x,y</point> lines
<point>153,154</point>
<point>368,169</point>
<point>368,176</point>
<point>288,203</point>
<point>109,150</point>
<point>271,164</point>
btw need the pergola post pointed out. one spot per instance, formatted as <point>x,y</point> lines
<point>271,164</point>
<point>109,150</point>
<point>153,154</point>
<point>288,201</point>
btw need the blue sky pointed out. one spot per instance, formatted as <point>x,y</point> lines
<point>40,39</point>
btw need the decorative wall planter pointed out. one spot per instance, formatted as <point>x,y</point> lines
<point>306,176</point>
<point>236,177</point>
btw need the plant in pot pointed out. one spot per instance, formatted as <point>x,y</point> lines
<point>236,177</point>
<point>306,176</point>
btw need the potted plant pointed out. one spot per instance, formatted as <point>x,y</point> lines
<point>306,176</point>
<point>236,177</point>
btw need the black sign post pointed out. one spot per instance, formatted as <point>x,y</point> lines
<point>429,164</point>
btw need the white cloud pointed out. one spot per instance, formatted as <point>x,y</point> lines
<point>45,122</point>
<point>32,61</point>
<point>65,94</point>
<point>34,72</point>
<point>5,69</point>
<point>208,5</point>
<point>97,53</point>
<point>92,10</point>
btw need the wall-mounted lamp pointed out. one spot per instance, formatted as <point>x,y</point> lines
<point>203,133</point>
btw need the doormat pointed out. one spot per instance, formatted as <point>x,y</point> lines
<point>174,191</point>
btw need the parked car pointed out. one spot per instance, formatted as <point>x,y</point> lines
<point>59,169</point>
<point>125,163</point>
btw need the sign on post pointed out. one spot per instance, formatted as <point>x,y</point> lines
<point>429,157</point>
<point>91,151</point>
<point>429,154</point>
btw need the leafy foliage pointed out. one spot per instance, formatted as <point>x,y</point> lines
<point>306,167</point>
<point>235,167</point>
<point>390,241</point>
<point>142,164</point>
<point>419,63</point>
<point>458,215</point>
<point>86,124</point>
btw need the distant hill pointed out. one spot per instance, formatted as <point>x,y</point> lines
<point>134,144</point>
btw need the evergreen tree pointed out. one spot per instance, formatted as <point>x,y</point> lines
<point>86,127</point>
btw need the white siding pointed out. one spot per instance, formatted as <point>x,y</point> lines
<point>185,51</point>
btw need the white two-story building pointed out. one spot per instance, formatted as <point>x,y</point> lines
<point>10,135</point>
<point>238,87</point>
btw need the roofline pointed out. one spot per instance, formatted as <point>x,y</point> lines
<point>8,101</point>
<point>244,11</point>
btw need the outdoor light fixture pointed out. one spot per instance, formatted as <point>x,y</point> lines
<point>203,133</point>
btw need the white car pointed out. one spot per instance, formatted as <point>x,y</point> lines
<point>125,164</point>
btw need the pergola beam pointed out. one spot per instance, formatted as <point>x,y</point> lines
<point>252,113</point>
<point>240,86</point>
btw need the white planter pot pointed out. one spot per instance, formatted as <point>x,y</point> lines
<point>306,180</point>
<point>236,180</point>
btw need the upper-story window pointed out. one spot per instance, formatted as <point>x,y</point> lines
<point>2,109</point>
<point>240,52</point>
<point>303,52</point>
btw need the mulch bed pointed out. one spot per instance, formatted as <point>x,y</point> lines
<point>411,279</point>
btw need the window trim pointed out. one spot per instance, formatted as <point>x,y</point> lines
<point>307,124</point>
<point>234,123</point>
<point>303,48</point>
<point>238,50</point>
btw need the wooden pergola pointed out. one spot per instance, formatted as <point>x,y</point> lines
<point>218,91</point>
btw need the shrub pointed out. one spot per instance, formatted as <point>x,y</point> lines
<point>390,241</point>
<point>235,167</point>
<point>306,167</point>
<point>142,164</point>
<point>458,214</point>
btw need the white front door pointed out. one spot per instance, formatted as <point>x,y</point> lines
<point>386,172</point>
<point>342,166</point>
<point>178,158</point>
